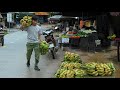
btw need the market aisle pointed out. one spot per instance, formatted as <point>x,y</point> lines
<point>13,59</point>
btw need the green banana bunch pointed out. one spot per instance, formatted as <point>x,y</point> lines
<point>44,47</point>
<point>111,66</point>
<point>79,73</point>
<point>90,65</point>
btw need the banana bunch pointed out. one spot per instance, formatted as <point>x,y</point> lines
<point>101,69</point>
<point>92,72</point>
<point>64,73</point>
<point>44,47</point>
<point>111,67</point>
<point>112,37</point>
<point>72,57</point>
<point>77,65</point>
<point>63,64</point>
<point>79,73</point>
<point>70,65</point>
<point>59,71</point>
<point>89,66</point>
<point>26,21</point>
<point>107,70</point>
<point>70,74</point>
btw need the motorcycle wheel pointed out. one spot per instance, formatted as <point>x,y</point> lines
<point>53,55</point>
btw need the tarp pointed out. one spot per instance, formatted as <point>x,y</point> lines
<point>59,17</point>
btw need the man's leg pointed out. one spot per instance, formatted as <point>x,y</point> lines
<point>37,55</point>
<point>29,52</point>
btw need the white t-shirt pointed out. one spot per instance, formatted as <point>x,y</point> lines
<point>32,33</point>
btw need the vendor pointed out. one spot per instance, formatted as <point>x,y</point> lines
<point>81,24</point>
<point>94,24</point>
<point>64,31</point>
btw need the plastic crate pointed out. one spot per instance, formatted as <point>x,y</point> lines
<point>65,44</point>
<point>74,41</point>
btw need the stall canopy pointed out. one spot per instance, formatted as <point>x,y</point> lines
<point>82,14</point>
<point>60,17</point>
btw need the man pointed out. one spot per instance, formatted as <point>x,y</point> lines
<point>34,32</point>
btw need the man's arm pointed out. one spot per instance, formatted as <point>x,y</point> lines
<point>39,37</point>
<point>39,34</point>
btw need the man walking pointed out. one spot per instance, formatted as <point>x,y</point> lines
<point>34,38</point>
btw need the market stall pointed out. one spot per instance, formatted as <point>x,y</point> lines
<point>83,39</point>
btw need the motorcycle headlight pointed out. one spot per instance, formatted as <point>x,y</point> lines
<point>56,27</point>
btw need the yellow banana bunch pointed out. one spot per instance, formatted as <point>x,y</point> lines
<point>78,70</point>
<point>72,57</point>
<point>101,69</point>
<point>67,74</point>
<point>58,73</point>
<point>70,65</point>
<point>26,21</point>
<point>63,74</point>
<point>77,65</point>
<point>70,74</point>
<point>107,70</point>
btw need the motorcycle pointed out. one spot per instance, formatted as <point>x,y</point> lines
<point>1,29</point>
<point>49,38</point>
<point>1,35</point>
<point>58,28</point>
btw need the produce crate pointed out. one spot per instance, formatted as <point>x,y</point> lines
<point>65,40</point>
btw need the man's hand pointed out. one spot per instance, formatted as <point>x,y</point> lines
<point>22,27</point>
<point>40,40</point>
